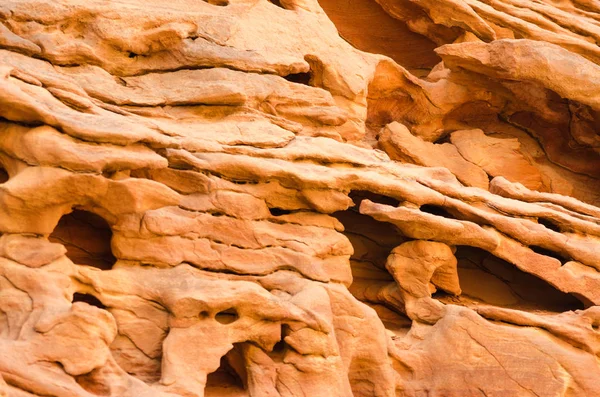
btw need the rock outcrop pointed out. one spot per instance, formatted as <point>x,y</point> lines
<point>227,198</point>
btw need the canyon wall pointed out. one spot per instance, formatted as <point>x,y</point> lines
<point>290,198</point>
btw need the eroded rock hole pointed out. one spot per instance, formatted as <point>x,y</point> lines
<point>230,378</point>
<point>277,3</point>
<point>372,240</point>
<point>279,211</point>
<point>89,299</point>
<point>227,316</point>
<point>280,348</point>
<point>220,3</point>
<point>87,237</point>
<point>436,210</point>
<point>444,138</point>
<point>3,175</point>
<point>486,278</point>
<point>549,224</point>
<point>299,78</point>
<point>358,196</point>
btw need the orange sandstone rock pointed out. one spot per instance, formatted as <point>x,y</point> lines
<point>227,198</point>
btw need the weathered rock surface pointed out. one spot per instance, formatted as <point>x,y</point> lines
<point>227,198</point>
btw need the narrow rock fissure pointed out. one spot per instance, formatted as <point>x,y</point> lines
<point>436,210</point>
<point>546,252</point>
<point>279,211</point>
<point>3,175</point>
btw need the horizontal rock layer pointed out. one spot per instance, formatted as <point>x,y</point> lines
<point>227,198</point>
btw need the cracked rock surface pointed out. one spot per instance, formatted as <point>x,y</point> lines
<point>230,198</point>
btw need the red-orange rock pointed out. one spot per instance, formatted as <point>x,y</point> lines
<point>226,198</point>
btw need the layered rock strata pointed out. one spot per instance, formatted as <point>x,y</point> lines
<point>227,198</point>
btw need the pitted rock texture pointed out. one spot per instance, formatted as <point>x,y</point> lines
<point>227,198</point>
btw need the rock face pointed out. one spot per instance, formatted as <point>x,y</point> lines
<point>226,198</point>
